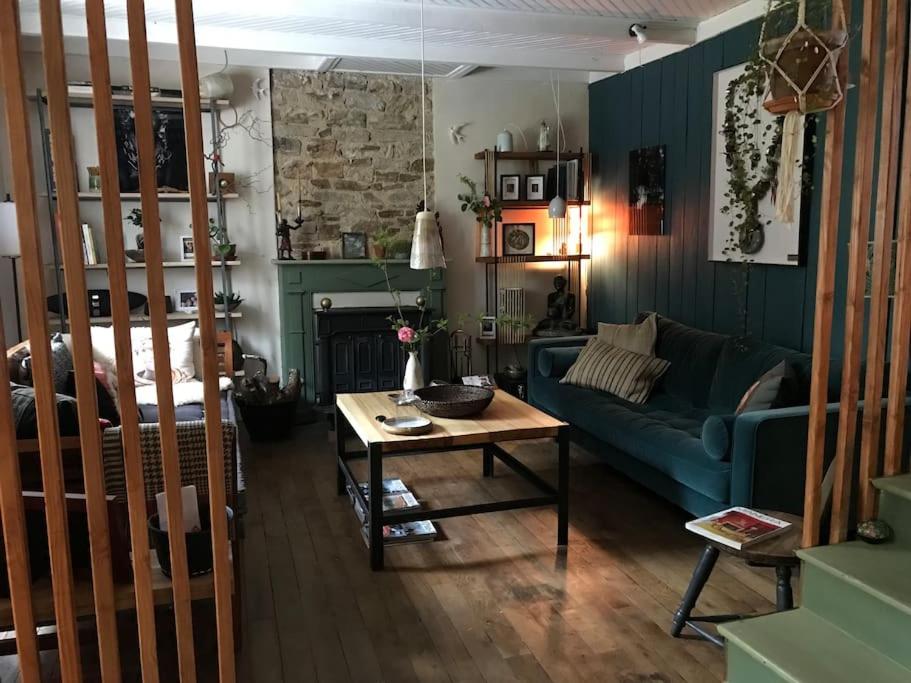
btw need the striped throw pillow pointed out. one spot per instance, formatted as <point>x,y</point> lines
<point>622,373</point>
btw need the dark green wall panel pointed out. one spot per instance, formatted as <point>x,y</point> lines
<point>669,102</point>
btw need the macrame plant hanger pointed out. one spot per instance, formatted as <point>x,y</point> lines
<point>803,78</point>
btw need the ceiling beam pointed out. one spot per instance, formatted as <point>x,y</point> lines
<point>246,42</point>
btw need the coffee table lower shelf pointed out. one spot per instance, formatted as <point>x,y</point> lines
<point>375,454</point>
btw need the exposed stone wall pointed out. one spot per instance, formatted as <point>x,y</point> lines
<point>352,144</point>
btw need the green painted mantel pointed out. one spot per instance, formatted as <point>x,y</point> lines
<point>299,280</point>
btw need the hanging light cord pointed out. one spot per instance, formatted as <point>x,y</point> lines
<point>423,113</point>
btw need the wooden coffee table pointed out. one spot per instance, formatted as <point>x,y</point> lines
<point>506,419</point>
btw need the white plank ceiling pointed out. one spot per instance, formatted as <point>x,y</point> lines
<point>585,35</point>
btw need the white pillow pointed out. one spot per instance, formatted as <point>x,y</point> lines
<point>180,341</point>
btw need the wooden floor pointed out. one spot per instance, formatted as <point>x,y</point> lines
<point>492,601</point>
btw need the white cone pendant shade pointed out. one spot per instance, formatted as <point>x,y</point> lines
<point>426,245</point>
<point>557,207</point>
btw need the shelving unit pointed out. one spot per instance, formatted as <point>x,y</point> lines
<point>208,106</point>
<point>572,263</point>
<point>143,318</point>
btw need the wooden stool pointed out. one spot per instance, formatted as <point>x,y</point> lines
<point>778,552</point>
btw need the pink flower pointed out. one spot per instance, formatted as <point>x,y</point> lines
<point>406,335</point>
<point>487,200</point>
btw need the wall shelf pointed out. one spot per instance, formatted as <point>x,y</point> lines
<point>158,102</point>
<point>167,264</point>
<point>532,259</point>
<point>538,204</point>
<point>531,156</point>
<point>143,318</point>
<point>162,196</point>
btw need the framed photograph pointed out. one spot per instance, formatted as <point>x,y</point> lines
<point>518,239</point>
<point>187,301</point>
<point>170,149</point>
<point>354,245</point>
<point>488,329</point>
<point>509,187</point>
<point>646,190</point>
<point>534,187</point>
<point>187,250</point>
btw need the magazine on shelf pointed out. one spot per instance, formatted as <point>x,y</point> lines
<point>395,497</point>
<point>409,532</point>
<point>738,527</point>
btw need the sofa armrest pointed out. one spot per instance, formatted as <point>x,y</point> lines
<point>536,346</point>
<point>769,455</point>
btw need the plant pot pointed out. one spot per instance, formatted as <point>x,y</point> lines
<point>231,307</point>
<point>230,254</point>
<point>802,55</point>
<point>379,251</point>
<point>199,544</point>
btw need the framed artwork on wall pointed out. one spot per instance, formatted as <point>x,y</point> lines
<point>509,188</point>
<point>771,241</point>
<point>534,187</point>
<point>518,239</point>
<point>488,327</point>
<point>187,301</point>
<point>646,190</point>
<point>354,245</point>
<point>187,251</point>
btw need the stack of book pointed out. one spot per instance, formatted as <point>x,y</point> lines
<point>396,496</point>
<point>574,180</point>
<point>89,252</point>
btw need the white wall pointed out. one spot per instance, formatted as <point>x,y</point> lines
<point>487,105</point>
<point>250,218</point>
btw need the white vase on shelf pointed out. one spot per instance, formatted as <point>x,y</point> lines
<point>414,375</point>
<point>485,241</point>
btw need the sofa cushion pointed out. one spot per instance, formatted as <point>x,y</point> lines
<point>623,373</point>
<point>742,361</point>
<point>693,355</point>
<point>767,391</point>
<point>25,414</point>
<point>638,338</point>
<point>665,433</point>
<point>556,362</point>
<point>716,436</point>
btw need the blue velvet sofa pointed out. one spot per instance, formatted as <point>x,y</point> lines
<point>753,459</point>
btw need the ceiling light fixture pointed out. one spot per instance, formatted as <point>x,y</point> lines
<point>426,243</point>
<point>557,206</point>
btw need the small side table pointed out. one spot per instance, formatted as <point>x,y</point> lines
<point>779,552</point>
<point>517,386</point>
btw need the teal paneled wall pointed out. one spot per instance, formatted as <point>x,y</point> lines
<point>669,102</point>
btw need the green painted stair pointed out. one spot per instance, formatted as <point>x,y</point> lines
<point>801,647</point>
<point>855,618</point>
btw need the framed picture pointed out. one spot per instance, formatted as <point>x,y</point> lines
<point>534,187</point>
<point>509,187</point>
<point>488,328</point>
<point>518,239</point>
<point>354,245</point>
<point>646,190</point>
<point>170,149</point>
<point>187,301</point>
<point>187,250</point>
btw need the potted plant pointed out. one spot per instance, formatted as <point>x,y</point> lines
<point>233,300</point>
<point>383,239</point>
<point>224,248</point>
<point>487,210</point>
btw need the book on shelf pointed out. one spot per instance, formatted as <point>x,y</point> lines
<point>409,532</point>
<point>89,252</point>
<point>738,527</point>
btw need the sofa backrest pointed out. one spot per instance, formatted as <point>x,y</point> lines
<point>693,355</point>
<point>743,360</point>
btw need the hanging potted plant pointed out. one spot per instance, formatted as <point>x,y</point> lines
<point>224,248</point>
<point>801,56</point>
<point>487,210</point>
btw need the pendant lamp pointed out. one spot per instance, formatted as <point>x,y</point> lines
<point>557,206</point>
<point>426,243</point>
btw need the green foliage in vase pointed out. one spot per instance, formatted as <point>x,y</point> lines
<point>487,210</point>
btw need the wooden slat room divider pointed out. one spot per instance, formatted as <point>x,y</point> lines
<point>879,136</point>
<point>49,442</point>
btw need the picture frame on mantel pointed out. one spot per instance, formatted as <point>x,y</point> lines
<point>780,244</point>
<point>354,245</point>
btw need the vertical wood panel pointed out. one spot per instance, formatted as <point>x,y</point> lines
<point>189,78</point>
<point>11,507</point>
<point>35,303</point>
<point>70,237</point>
<point>884,229</point>
<point>668,115</point>
<point>120,310</point>
<point>695,140</point>
<point>632,140</point>
<point>646,298</point>
<point>677,184</point>
<point>857,263</point>
<point>139,65</point>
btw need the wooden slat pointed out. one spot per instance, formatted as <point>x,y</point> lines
<point>189,79</point>
<point>120,310</point>
<point>822,317</point>
<point>901,312</point>
<point>142,105</point>
<point>868,97</point>
<point>877,335</point>
<point>70,238</point>
<point>35,302</point>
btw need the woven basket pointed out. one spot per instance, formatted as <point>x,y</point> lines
<point>453,400</point>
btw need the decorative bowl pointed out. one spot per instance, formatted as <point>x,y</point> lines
<point>453,400</point>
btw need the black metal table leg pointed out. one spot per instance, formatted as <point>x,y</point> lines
<point>375,504</point>
<point>488,461</point>
<point>340,433</point>
<point>784,595</point>
<point>563,486</point>
<point>697,583</point>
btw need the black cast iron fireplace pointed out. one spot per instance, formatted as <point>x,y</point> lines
<point>357,351</point>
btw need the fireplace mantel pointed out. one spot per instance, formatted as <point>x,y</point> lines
<point>299,280</point>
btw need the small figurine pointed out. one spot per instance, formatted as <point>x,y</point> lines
<point>283,232</point>
<point>561,307</point>
<point>544,137</point>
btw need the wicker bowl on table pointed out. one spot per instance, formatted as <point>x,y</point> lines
<point>453,400</point>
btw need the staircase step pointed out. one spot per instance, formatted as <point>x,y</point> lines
<point>895,504</point>
<point>865,590</point>
<point>802,647</point>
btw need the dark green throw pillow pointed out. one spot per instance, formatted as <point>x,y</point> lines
<point>717,436</point>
